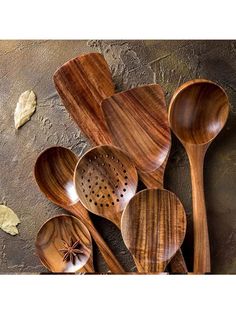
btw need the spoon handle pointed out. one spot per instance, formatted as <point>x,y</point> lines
<point>88,267</point>
<point>80,212</point>
<point>196,156</point>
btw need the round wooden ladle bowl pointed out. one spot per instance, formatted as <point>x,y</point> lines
<point>198,111</point>
<point>105,180</point>
<point>53,239</point>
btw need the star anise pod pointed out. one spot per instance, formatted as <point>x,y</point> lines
<point>71,251</point>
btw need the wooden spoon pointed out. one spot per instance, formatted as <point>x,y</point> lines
<point>138,123</point>
<point>197,113</point>
<point>54,170</point>
<point>64,244</point>
<point>105,180</point>
<point>83,83</point>
<point>153,227</point>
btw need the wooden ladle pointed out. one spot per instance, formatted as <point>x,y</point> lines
<point>197,113</point>
<point>105,180</point>
<point>153,227</point>
<point>54,170</point>
<point>63,244</point>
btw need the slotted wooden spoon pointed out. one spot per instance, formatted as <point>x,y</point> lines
<point>54,171</point>
<point>105,180</point>
<point>138,123</point>
<point>198,111</point>
<point>56,238</point>
<point>153,227</point>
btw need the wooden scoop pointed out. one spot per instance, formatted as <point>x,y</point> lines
<point>83,83</point>
<point>64,244</point>
<point>105,180</point>
<point>197,113</point>
<point>54,171</point>
<point>153,227</point>
<point>138,123</point>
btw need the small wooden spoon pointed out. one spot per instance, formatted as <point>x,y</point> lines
<point>153,227</point>
<point>197,113</point>
<point>54,170</point>
<point>105,180</point>
<point>83,83</point>
<point>64,244</point>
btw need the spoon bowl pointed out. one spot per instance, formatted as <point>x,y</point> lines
<point>198,111</point>
<point>153,227</point>
<point>54,170</point>
<point>105,180</point>
<point>54,241</point>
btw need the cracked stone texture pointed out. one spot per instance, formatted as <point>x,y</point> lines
<point>31,64</point>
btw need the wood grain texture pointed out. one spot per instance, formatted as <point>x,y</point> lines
<point>105,180</point>
<point>50,241</point>
<point>54,171</point>
<point>137,121</point>
<point>197,113</point>
<point>82,84</point>
<point>153,227</point>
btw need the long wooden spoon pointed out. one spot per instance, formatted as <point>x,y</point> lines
<point>197,113</point>
<point>54,170</point>
<point>153,227</point>
<point>138,123</point>
<point>64,244</point>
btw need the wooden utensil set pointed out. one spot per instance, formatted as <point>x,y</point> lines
<point>132,138</point>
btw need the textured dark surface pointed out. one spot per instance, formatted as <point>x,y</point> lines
<point>31,64</point>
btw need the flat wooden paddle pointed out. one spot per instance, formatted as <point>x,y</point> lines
<point>138,123</point>
<point>153,227</point>
<point>82,84</point>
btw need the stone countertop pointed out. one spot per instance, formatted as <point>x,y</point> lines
<point>30,65</point>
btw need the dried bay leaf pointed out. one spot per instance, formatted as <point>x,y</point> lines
<point>8,220</point>
<point>25,107</point>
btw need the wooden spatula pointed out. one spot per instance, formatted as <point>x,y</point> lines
<point>83,83</point>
